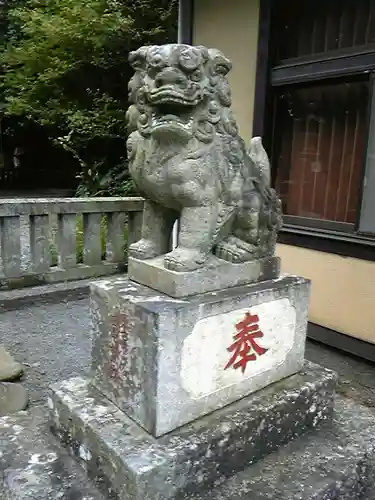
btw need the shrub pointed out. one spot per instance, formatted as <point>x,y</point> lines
<point>64,67</point>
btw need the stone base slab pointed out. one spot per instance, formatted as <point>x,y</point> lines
<point>334,462</point>
<point>216,275</point>
<point>139,467</point>
<point>166,361</point>
<point>34,467</point>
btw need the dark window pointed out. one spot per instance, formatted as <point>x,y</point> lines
<point>320,159</point>
<point>313,27</point>
<point>323,113</point>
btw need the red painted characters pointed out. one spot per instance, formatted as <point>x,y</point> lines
<point>245,347</point>
<point>118,344</point>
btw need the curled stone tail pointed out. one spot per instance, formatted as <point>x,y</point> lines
<point>259,156</point>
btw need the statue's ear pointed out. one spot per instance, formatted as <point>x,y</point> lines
<point>137,58</point>
<point>220,64</point>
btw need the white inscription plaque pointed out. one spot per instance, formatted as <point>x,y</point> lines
<point>226,349</point>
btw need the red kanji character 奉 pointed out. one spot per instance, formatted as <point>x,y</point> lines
<point>245,343</point>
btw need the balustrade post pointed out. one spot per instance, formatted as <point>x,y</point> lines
<point>92,243</point>
<point>67,240</point>
<point>115,237</point>
<point>40,243</point>
<point>10,243</point>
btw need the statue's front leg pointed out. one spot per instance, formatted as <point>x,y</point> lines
<point>195,239</point>
<point>156,232</point>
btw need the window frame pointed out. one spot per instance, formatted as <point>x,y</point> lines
<point>335,64</point>
<point>318,67</point>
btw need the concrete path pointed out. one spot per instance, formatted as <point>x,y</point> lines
<point>54,341</point>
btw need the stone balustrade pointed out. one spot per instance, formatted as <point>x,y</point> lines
<point>60,239</point>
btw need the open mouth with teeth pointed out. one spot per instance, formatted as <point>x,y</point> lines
<point>168,96</point>
<point>172,116</point>
<point>172,110</point>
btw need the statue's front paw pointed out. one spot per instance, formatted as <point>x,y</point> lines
<point>144,249</point>
<point>184,259</point>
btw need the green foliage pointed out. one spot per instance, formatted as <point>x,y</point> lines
<point>64,67</point>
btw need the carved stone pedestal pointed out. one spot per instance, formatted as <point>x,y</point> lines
<point>166,361</point>
<point>132,463</point>
<point>174,403</point>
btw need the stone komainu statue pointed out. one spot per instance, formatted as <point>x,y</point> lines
<point>189,162</point>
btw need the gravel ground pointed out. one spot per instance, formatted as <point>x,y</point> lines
<point>54,342</point>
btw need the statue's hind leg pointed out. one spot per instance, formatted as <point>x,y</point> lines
<point>242,244</point>
<point>236,250</point>
<point>233,249</point>
<point>253,237</point>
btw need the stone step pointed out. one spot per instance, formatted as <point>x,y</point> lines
<point>334,462</point>
<point>34,467</point>
<point>140,467</point>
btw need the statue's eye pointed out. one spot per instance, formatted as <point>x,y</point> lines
<point>189,60</point>
<point>196,76</point>
<point>156,61</point>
